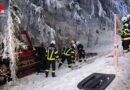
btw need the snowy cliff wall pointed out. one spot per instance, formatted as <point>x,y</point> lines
<point>89,21</point>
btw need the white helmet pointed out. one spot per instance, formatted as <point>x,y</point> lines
<point>74,45</point>
<point>72,42</point>
<point>77,42</point>
<point>124,19</point>
<point>128,16</point>
<point>53,42</point>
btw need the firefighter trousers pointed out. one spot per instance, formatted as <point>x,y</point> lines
<point>64,57</point>
<point>73,59</point>
<point>81,55</point>
<point>50,62</point>
<point>125,44</point>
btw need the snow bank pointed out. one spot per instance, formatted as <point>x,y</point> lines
<point>69,81</point>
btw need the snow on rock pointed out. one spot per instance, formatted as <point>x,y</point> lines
<point>37,8</point>
<point>11,46</point>
<point>121,7</point>
<point>101,11</point>
<point>53,3</point>
<point>76,16</point>
<point>50,33</point>
<point>74,19</point>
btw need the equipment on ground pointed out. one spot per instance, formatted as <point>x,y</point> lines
<point>96,81</point>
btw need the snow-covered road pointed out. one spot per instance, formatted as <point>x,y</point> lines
<point>69,81</point>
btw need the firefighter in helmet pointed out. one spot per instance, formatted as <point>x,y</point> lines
<point>128,19</point>
<point>125,34</point>
<point>52,55</point>
<point>81,51</point>
<point>67,53</point>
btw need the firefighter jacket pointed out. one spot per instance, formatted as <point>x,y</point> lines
<point>52,53</point>
<point>73,52</point>
<point>67,51</point>
<point>128,29</point>
<point>125,32</point>
<point>80,48</point>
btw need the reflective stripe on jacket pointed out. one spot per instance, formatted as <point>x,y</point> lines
<point>52,53</point>
<point>125,32</point>
<point>67,51</point>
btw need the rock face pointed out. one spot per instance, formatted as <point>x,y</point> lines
<point>87,21</point>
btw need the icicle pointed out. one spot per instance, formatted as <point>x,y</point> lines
<point>11,45</point>
<point>100,8</point>
<point>93,8</point>
<point>51,30</point>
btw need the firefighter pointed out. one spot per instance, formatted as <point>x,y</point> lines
<point>125,35</point>
<point>128,18</point>
<point>73,46</point>
<point>81,51</point>
<point>52,55</point>
<point>41,56</point>
<point>67,52</point>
